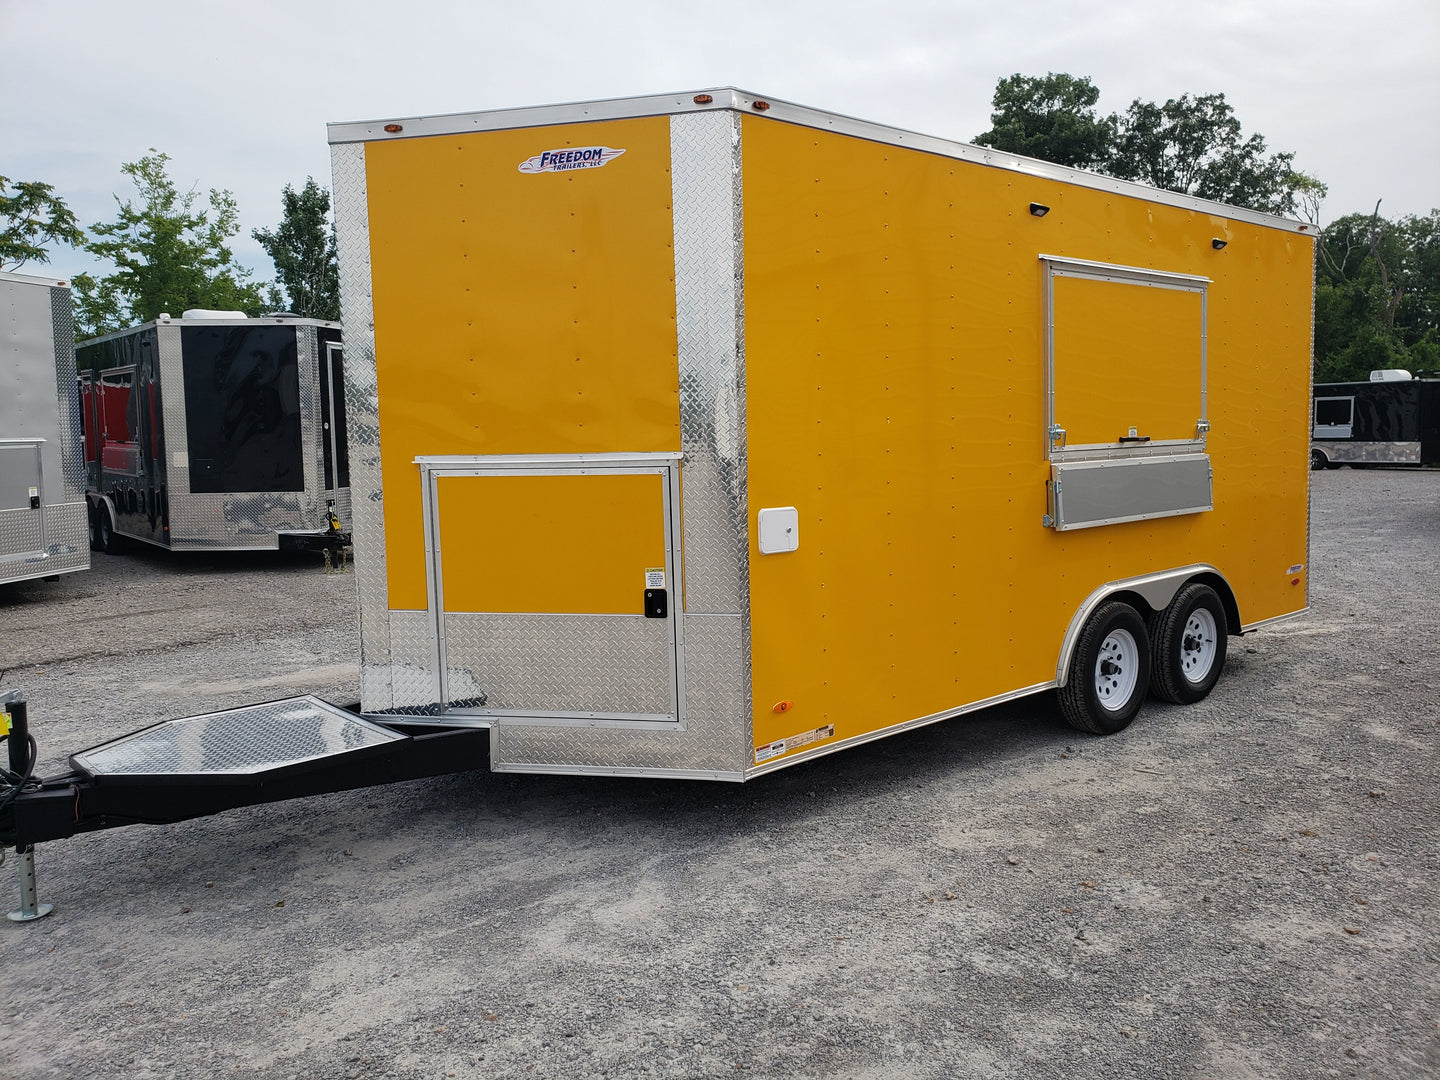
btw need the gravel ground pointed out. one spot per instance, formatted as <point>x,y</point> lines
<point>1242,888</point>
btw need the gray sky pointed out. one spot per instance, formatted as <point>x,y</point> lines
<point>239,93</point>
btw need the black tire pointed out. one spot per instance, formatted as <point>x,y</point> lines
<point>95,529</point>
<point>1187,645</point>
<point>1109,671</point>
<point>110,543</point>
<point>1318,460</point>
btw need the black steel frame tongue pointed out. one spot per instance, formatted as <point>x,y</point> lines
<point>202,765</point>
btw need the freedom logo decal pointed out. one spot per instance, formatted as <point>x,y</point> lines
<point>575,157</point>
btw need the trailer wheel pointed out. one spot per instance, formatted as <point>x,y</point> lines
<point>1187,646</point>
<point>94,516</point>
<point>1109,671</point>
<point>1318,460</point>
<point>109,542</point>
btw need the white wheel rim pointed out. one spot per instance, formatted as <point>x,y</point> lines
<point>1116,669</point>
<point>1197,646</point>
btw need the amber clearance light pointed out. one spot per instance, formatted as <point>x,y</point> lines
<point>703,99</point>
<point>392,128</point>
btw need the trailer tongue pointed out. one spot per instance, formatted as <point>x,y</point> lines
<point>201,765</point>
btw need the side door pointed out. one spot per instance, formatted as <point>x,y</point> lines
<point>22,490</point>
<point>554,586</point>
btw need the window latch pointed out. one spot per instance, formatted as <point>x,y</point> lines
<point>1201,427</point>
<point>1057,435</point>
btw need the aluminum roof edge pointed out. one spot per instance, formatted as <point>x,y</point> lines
<point>258,320</point>
<point>33,279</point>
<point>776,109</point>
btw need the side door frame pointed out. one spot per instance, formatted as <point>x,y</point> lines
<point>664,464</point>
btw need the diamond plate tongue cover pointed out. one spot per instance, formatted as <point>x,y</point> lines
<point>241,741</point>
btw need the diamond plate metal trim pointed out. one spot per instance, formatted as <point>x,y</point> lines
<point>362,422</point>
<point>704,168</point>
<point>412,663</point>
<point>62,329</point>
<point>19,534</point>
<point>561,663</point>
<point>26,552</point>
<point>715,738</point>
<point>174,431</point>
<point>239,741</point>
<point>67,538</point>
<point>312,455</point>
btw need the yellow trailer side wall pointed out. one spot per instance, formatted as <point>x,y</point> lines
<point>517,313</point>
<point>895,382</point>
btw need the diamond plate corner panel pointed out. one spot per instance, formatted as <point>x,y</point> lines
<point>307,353</point>
<point>62,329</point>
<point>715,737</point>
<point>705,181</point>
<point>362,422</point>
<point>567,663</point>
<point>170,374</point>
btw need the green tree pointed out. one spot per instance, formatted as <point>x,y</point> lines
<point>1190,144</point>
<point>170,254</point>
<point>32,217</point>
<point>1052,118</point>
<point>303,250</point>
<point>1377,295</point>
<point>1195,145</point>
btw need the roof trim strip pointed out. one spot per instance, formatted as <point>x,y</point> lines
<point>413,127</point>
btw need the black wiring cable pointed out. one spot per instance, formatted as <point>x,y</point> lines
<point>14,783</point>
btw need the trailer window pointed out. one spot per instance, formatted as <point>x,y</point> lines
<point>1125,357</point>
<point>1334,417</point>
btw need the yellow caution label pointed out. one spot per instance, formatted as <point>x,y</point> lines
<point>4,722</point>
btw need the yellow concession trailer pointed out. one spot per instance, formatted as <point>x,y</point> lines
<point>700,434</point>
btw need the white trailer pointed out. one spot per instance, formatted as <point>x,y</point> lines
<point>43,529</point>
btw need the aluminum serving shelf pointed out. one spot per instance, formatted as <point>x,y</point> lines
<point>236,745</point>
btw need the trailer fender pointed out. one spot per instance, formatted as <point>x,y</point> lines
<point>1148,593</point>
<point>101,504</point>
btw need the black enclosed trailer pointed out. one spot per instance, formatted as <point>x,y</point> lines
<point>214,431</point>
<point>1392,419</point>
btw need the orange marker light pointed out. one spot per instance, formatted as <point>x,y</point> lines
<point>782,706</point>
<point>703,99</point>
<point>392,128</point>
<point>759,106</point>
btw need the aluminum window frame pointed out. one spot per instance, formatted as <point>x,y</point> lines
<point>1056,266</point>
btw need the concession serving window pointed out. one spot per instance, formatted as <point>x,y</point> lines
<point>1334,417</point>
<point>1125,406</point>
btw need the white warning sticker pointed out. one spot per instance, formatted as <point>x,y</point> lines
<point>654,577</point>
<point>794,742</point>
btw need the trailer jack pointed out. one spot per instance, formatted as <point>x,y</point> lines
<point>196,766</point>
